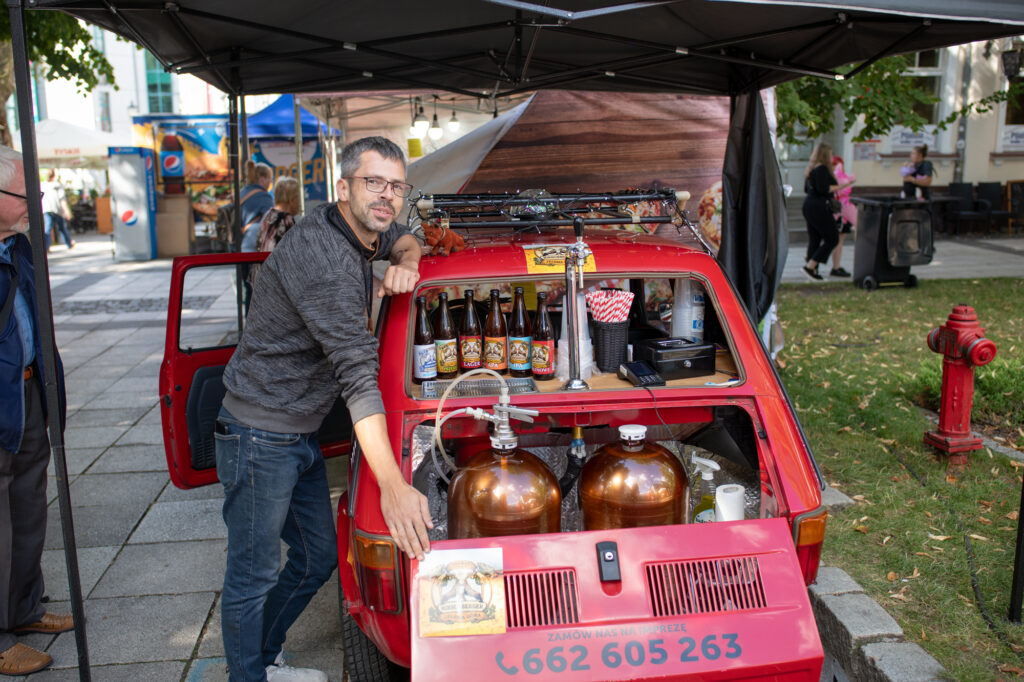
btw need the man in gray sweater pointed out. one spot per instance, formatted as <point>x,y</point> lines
<point>307,341</point>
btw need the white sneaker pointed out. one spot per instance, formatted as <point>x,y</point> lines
<point>279,672</point>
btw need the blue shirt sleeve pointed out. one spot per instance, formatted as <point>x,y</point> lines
<point>23,316</point>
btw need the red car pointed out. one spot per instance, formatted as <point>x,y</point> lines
<point>621,600</point>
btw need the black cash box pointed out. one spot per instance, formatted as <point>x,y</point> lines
<point>678,358</point>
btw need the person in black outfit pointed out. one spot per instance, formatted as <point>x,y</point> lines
<point>921,176</point>
<point>820,185</point>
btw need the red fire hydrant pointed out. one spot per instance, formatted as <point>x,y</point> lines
<point>963,345</point>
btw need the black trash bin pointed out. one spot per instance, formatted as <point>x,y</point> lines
<point>893,234</point>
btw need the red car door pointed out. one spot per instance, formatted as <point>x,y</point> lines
<point>205,319</point>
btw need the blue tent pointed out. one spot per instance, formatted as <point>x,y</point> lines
<point>277,119</point>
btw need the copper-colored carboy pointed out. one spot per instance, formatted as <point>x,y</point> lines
<point>503,492</point>
<point>633,483</point>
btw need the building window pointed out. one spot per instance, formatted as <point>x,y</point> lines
<point>105,112</point>
<point>158,87</point>
<point>1015,107</point>
<point>98,39</point>
<point>926,69</point>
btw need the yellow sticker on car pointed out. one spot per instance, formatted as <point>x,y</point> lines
<point>462,592</point>
<point>550,258</point>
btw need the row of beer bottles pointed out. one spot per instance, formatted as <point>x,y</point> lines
<point>519,348</point>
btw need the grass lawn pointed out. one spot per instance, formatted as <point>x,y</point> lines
<point>857,366</point>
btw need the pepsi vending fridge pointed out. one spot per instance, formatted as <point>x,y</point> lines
<point>133,202</point>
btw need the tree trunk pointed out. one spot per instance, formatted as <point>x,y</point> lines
<point>6,89</point>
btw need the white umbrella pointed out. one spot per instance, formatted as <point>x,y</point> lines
<point>65,145</point>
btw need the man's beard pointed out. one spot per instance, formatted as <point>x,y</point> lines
<point>364,214</point>
<point>21,227</point>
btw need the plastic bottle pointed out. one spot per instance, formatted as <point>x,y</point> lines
<point>704,510</point>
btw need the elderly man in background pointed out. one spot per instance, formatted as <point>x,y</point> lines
<point>24,445</point>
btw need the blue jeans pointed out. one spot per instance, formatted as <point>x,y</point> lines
<point>275,488</point>
<point>51,219</point>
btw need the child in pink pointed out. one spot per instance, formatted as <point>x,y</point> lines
<point>847,217</point>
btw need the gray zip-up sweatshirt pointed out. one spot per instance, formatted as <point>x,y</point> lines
<point>306,338</point>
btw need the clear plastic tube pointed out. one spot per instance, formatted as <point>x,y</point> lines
<point>440,407</point>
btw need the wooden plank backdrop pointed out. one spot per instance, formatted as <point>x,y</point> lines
<point>604,141</point>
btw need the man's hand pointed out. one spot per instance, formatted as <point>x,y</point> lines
<point>399,279</point>
<point>406,512</point>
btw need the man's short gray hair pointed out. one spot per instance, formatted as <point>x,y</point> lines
<point>351,155</point>
<point>9,162</point>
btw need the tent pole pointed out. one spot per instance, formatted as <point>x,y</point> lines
<point>236,172</point>
<point>243,119</point>
<point>44,303</point>
<point>298,154</point>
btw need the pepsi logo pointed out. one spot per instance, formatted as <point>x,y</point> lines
<point>149,163</point>
<point>173,164</point>
<point>129,218</point>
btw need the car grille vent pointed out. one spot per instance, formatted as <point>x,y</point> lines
<point>477,387</point>
<point>679,588</point>
<point>541,598</point>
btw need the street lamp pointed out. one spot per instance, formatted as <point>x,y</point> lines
<point>1011,62</point>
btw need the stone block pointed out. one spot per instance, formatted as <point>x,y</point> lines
<point>92,562</point>
<point>847,621</point>
<point>138,629</point>
<point>128,458</point>
<point>96,526</point>
<point>898,662</point>
<point>92,436</point>
<point>193,520</point>
<point>832,580</point>
<point>149,569</point>
<point>140,488</point>
<point>835,500</point>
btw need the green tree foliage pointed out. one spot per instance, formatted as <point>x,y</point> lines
<point>58,43</point>
<point>882,96</point>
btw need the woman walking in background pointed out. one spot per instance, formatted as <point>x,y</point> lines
<point>847,215</point>
<point>820,186</point>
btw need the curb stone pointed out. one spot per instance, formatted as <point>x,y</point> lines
<point>864,640</point>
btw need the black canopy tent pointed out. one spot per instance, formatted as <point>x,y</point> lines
<point>487,48</point>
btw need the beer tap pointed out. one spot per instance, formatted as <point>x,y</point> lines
<point>575,259</point>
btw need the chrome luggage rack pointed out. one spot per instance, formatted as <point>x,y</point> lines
<point>531,210</point>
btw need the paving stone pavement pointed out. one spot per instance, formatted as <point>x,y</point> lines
<point>150,555</point>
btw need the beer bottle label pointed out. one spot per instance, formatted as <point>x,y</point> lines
<point>494,352</point>
<point>447,355</point>
<point>424,365</point>
<point>519,353</point>
<point>470,352</point>
<point>543,357</point>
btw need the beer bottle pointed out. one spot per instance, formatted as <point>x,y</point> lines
<point>495,341</point>
<point>542,355</point>
<point>424,357</point>
<point>519,337</point>
<point>470,337</point>
<point>445,340</point>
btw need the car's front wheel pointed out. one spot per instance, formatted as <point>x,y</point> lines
<point>363,660</point>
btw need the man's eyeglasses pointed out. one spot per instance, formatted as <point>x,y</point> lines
<point>17,196</point>
<point>378,185</point>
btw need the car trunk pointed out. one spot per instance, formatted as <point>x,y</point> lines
<point>720,601</point>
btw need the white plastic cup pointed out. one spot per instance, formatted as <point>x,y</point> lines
<point>729,502</point>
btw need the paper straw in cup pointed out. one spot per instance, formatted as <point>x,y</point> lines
<point>729,503</point>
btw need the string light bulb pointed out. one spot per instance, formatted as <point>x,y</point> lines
<point>420,124</point>
<point>435,129</point>
<point>454,123</point>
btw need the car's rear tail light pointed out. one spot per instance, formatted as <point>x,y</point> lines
<point>808,533</point>
<point>376,558</point>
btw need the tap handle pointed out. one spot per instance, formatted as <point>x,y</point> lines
<point>577,227</point>
<point>520,413</point>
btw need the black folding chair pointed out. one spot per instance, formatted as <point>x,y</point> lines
<point>992,192</point>
<point>968,209</point>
